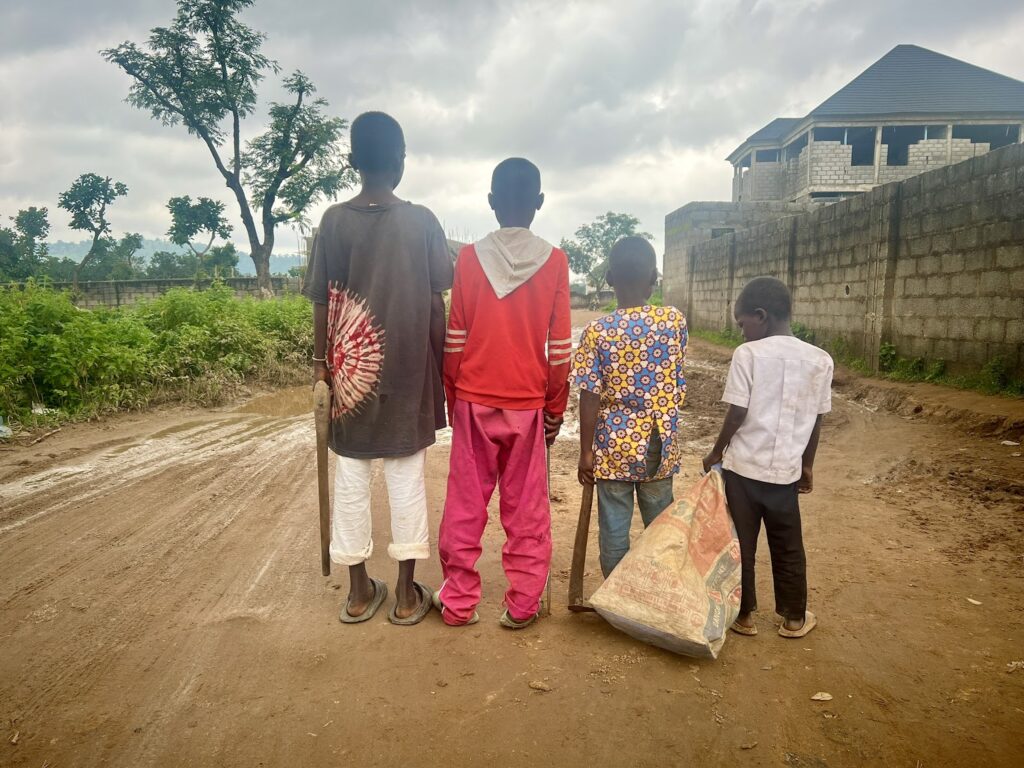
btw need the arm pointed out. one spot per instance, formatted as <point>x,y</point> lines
<point>806,484</point>
<point>454,344</point>
<point>733,421</point>
<point>437,323</point>
<point>320,370</point>
<point>589,405</point>
<point>559,355</point>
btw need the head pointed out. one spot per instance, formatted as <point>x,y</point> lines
<point>632,269</point>
<point>378,148</point>
<point>515,194</point>
<point>764,308</point>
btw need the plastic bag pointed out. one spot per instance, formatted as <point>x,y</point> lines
<point>678,587</point>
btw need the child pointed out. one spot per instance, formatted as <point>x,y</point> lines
<point>778,388</point>
<point>376,274</point>
<point>629,368</point>
<point>506,367</point>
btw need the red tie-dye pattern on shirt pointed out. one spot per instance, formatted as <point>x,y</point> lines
<point>355,351</point>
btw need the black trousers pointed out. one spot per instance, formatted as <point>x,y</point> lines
<point>750,502</point>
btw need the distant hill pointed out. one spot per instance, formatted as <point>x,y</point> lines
<point>75,251</point>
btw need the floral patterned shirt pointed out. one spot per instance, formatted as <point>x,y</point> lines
<point>633,359</point>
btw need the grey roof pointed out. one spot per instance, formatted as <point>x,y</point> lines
<point>910,80</point>
<point>775,130</point>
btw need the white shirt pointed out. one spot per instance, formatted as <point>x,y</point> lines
<point>784,384</point>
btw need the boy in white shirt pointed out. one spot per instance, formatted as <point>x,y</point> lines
<point>778,388</point>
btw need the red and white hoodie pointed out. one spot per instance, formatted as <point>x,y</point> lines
<point>509,339</point>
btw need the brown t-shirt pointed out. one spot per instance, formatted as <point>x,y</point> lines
<point>376,268</point>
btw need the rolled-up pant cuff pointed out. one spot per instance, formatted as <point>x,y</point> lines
<point>351,558</point>
<point>408,551</point>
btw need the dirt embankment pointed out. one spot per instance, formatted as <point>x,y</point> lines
<point>162,605</point>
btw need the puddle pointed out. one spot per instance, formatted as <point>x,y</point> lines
<point>283,404</point>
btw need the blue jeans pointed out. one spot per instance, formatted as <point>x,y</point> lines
<point>615,508</point>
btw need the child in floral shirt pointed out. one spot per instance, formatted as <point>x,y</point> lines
<point>629,368</point>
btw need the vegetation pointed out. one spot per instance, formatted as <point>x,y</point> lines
<point>202,72</point>
<point>588,252</point>
<point>87,201</point>
<point>995,378</point>
<point>199,346</point>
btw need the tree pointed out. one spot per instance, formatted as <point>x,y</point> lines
<point>115,259</point>
<point>202,72</point>
<point>588,253</point>
<point>23,247</point>
<point>188,219</point>
<point>87,200</point>
<point>166,265</point>
<point>220,260</point>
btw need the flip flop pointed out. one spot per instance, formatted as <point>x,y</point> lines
<point>739,629</point>
<point>436,600</point>
<point>426,603</point>
<point>380,592</point>
<point>507,621</point>
<point>810,622</point>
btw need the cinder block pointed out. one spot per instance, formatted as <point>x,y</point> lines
<point>952,262</point>
<point>1010,256</point>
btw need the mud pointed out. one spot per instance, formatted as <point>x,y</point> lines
<point>162,605</point>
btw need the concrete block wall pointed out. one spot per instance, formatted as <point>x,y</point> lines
<point>122,293</point>
<point>960,274</point>
<point>694,223</point>
<point>769,180</point>
<point>831,166</point>
<point>933,265</point>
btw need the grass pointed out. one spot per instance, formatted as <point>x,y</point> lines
<point>194,346</point>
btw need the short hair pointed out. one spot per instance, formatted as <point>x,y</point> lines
<point>767,293</point>
<point>632,260</point>
<point>378,143</point>
<point>515,183</point>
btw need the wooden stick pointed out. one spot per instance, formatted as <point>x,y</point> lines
<point>579,553</point>
<point>322,417</point>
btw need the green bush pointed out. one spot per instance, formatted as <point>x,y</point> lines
<point>196,345</point>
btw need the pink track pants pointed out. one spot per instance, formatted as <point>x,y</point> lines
<point>495,446</point>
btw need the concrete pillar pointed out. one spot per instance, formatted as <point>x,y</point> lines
<point>878,153</point>
<point>949,144</point>
<point>810,157</point>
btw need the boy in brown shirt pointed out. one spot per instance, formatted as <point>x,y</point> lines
<point>376,275</point>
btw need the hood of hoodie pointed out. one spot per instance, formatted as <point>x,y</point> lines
<point>510,256</point>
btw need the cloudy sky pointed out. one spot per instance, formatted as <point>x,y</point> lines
<point>625,106</point>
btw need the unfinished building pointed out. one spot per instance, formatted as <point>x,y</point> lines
<point>912,111</point>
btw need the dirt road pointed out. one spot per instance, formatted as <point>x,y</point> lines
<point>162,606</point>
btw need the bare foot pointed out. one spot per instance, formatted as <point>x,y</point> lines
<point>745,619</point>
<point>407,601</point>
<point>361,590</point>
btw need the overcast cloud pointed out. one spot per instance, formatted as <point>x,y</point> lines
<point>625,106</point>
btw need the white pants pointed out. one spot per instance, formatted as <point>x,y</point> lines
<point>351,542</point>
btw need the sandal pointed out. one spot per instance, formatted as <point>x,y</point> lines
<point>426,603</point>
<point>742,629</point>
<point>440,609</point>
<point>810,622</point>
<point>380,592</point>
<point>507,621</point>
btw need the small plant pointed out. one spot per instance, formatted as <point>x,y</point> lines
<point>936,371</point>
<point>995,375</point>
<point>886,357</point>
<point>803,333</point>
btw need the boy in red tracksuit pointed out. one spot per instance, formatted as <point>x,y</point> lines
<point>506,367</point>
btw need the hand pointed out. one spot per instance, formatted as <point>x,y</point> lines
<point>715,457</point>
<point>552,425</point>
<point>585,471</point>
<point>806,482</point>
<point>321,372</point>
